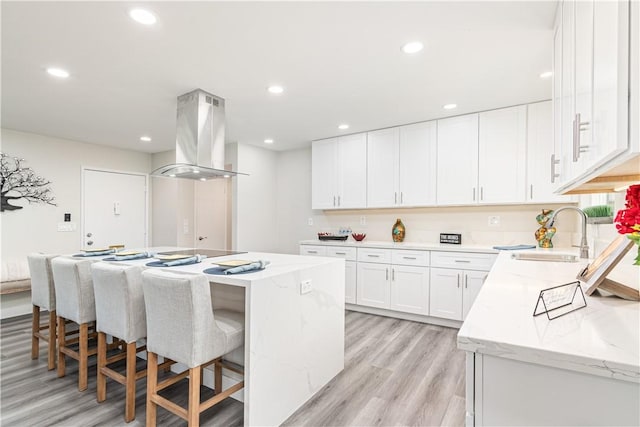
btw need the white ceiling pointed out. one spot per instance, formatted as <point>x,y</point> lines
<point>338,61</point>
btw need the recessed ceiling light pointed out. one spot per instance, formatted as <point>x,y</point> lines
<point>343,126</point>
<point>449,106</point>
<point>275,89</point>
<point>268,141</point>
<point>196,171</point>
<point>58,72</point>
<point>412,47</point>
<point>145,138</point>
<point>203,179</point>
<point>226,176</point>
<point>546,74</point>
<point>142,16</point>
<point>173,175</point>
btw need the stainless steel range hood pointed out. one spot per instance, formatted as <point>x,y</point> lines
<point>199,139</point>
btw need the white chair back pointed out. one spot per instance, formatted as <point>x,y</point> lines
<point>74,289</point>
<point>43,292</point>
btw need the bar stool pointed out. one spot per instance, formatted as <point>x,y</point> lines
<point>182,326</point>
<point>43,297</point>
<point>120,313</point>
<point>75,302</point>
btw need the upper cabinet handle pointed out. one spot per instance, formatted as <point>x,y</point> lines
<point>554,162</point>
<point>462,260</point>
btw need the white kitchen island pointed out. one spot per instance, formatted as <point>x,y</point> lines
<point>294,341</point>
<point>579,369</point>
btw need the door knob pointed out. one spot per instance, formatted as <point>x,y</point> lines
<point>89,234</point>
<point>90,242</point>
<point>202,238</point>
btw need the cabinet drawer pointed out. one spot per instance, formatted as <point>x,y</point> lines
<point>463,260</point>
<point>341,252</point>
<point>313,250</point>
<point>374,255</point>
<point>407,257</point>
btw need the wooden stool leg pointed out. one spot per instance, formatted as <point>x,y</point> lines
<point>61,345</point>
<point>130,394</point>
<point>152,382</point>
<point>51,354</point>
<point>101,386</point>
<point>217,372</point>
<point>193,411</point>
<point>84,357</point>
<point>35,328</point>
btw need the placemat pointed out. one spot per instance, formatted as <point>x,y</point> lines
<point>218,271</point>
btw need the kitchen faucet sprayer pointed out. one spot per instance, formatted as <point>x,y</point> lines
<point>584,246</point>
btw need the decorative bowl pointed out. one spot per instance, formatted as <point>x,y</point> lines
<point>359,236</point>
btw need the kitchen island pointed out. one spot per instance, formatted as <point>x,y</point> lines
<point>294,334</point>
<point>579,369</point>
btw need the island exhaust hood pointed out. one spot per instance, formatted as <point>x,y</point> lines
<point>199,139</point>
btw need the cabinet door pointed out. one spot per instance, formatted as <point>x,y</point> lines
<point>382,168</point>
<point>410,289</point>
<point>314,250</point>
<point>373,285</point>
<point>324,174</point>
<point>556,153</point>
<point>473,281</point>
<point>350,282</point>
<point>583,60</point>
<point>568,85</point>
<point>539,149</point>
<point>417,170</point>
<point>457,160</point>
<point>352,171</point>
<point>610,80</point>
<point>445,295</point>
<point>502,155</point>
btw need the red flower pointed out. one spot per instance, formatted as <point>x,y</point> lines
<point>628,220</point>
<point>633,197</point>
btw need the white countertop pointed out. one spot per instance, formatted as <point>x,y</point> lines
<point>602,339</point>
<point>279,264</point>
<point>404,245</point>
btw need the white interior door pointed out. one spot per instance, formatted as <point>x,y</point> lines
<point>211,201</point>
<point>114,209</point>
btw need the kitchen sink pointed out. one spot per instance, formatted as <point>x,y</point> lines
<point>545,257</point>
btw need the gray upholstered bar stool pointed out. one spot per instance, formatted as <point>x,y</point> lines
<point>182,326</point>
<point>120,313</point>
<point>43,297</point>
<point>75,302</point>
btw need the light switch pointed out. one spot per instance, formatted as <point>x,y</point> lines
<point>305,287</point>
<point>116,208</point>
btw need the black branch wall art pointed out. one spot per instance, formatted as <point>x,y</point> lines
<point>20,182</point>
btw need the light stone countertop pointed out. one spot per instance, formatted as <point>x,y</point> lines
<point>404,245</point>
<point>602,339</point>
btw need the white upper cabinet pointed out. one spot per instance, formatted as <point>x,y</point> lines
<point>418,164</point>
<point>591,89</point>
<point>382,167</point>
<point>401,166</point>
<point>539,146</point>
<point>339,172</point>
<point>502,155</point>
<point>457,170</point>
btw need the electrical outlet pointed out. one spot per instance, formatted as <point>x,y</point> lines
<point>305,287</point>
<point>494,221</point>
<point>363,220</point>
<point>310,221</point>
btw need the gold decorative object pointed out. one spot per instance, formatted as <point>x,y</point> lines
<point>544,234</point>
<point>398,230</point>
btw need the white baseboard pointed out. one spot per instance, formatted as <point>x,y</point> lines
<point>405,316</point>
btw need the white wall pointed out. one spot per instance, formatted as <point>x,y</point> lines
<point>255,198</point>
<point>518,223</point>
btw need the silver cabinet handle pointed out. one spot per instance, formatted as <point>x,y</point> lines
<point>395,198</point>
<point>578,127</point>
<point>554,162</point>
<point>409,257</point>
<point>466,261</point>
<point>312,252</point>
<point>340,253</point>
<point>466,281</point>
<point>474,194</point>
<point>401,198</point>
<point>393,274</point>
<point>531,191</point>
<point>334,200</point>
<point>387,270</point>
<point>338,201</point>
<point>373,256</point>
<point>458,280</point>
<point>481,193</point>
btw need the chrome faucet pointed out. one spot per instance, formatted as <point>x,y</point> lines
<point>584,246</point>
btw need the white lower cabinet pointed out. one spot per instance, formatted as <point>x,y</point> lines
<point>473,281</point>
<point>348,254</point>
<point>350,282</point>
<point>446,294</point>
<point>409,289</point>
<point>373,286</point>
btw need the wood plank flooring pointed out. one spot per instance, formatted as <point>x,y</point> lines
<point>396,372</point>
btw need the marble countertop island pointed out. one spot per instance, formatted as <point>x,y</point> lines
<point>602,339</point>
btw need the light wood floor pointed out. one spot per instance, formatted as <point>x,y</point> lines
<point>396,373</point>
